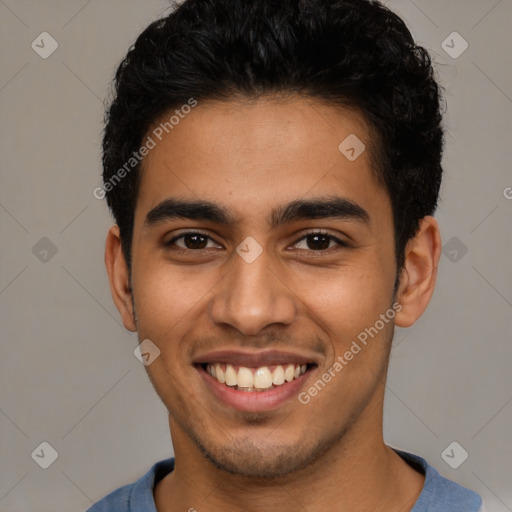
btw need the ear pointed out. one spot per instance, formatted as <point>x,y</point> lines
<point>418,277</point>
<point>119,278</point>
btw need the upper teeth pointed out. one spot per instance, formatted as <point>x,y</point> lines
<point>251,379</point>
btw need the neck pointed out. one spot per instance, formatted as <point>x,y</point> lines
<point>359,473</point>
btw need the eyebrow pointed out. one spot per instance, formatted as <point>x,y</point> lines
<point>170,209</point>
<point>332,207</point>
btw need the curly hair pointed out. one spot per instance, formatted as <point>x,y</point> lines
<point>354,53</point>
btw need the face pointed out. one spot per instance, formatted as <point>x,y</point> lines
<point>262,254</point>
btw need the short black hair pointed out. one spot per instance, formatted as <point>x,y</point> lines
<point>352,53</point>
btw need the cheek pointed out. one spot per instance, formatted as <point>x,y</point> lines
<point>347,302</point>
<point>168,304</point>
<point>167,298</point>
<point>348,310</point>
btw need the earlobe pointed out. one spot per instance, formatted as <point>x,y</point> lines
<point>119,277</point>
<point>419,274</point>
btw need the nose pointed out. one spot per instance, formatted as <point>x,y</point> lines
<point>252,297</point>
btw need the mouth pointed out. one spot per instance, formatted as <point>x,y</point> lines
<point>255,382</point>
<point>261,379</point>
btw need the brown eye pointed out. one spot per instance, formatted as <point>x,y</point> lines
<point>193,241</point>
<point>318,242</point>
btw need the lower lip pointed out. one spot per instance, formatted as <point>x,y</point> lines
<point>254,401</point>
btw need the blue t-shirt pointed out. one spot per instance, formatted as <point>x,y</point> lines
<point>438,495</point>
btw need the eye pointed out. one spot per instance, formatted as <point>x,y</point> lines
<point>318,241</point>
<point>193,241</point>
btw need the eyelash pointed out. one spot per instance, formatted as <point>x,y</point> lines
<point>332,238</point>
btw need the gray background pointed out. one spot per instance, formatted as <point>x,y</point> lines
<point>68,373</point>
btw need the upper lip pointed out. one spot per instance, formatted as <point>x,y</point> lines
<point>255,359</point>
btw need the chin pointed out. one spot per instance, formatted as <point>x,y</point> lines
<point>250,459</point>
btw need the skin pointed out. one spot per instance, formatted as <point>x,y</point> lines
<point>252,157</point>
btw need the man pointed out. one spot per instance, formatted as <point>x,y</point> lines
<point>272,167</point>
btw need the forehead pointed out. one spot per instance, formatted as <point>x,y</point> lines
<point>249,155</point>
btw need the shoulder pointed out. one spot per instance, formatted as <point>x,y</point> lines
<point>137,496</point>
<point>440,494</point>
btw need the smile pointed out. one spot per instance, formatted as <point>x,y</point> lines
<point>263,378</point>
<point>255,381</point>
